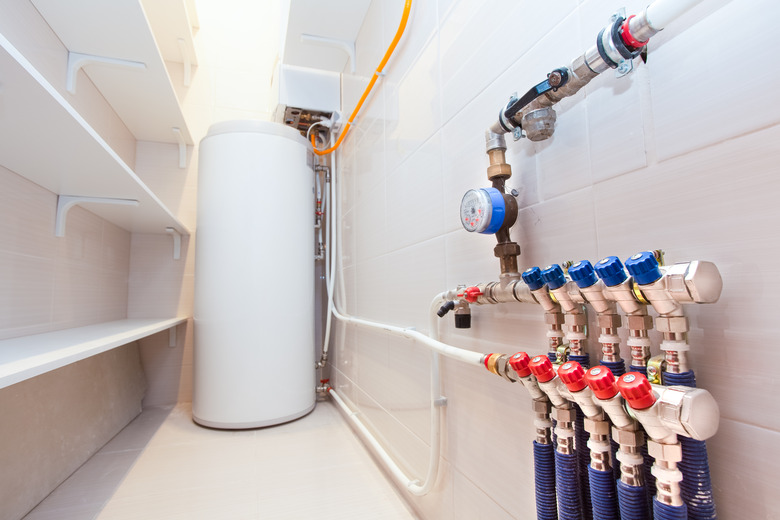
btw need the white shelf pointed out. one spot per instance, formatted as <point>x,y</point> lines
<point>29,356</point>
<point>44,139</point>
<point>143,98</point>
<point>171,21</point>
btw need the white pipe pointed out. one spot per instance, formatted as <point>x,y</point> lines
<point>459,354</point>
<point>415,487</point>
<point>662,12</point>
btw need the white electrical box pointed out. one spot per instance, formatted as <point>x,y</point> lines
<point>305,88</point>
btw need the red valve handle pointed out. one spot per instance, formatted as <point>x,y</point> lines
<point>519,363</point>
<point>471,294</point>
<point>602,382</point>
<point>573,376</point>
<point>542,368</point>
<point>636,390</point>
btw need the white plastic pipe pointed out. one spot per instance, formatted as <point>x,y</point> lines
<point>662,12</point>
<point>437,348</point>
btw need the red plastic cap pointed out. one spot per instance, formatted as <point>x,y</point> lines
<point>602,382</point>
<point>519,362</point>
<point>542,368</point>
<point>573,375</point>
<point>471,294</point>
<point>636,390</point>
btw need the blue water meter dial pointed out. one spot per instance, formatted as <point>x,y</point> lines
<point>483,210</point>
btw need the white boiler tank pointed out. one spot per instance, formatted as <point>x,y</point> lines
<point>254,277</point>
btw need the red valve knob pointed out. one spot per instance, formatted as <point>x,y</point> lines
<point>573,376</point>
<point>542,368</point>
<point>472,293</point>
<point>602,382</point>
<point>636,390</point>
<point>519,362</point>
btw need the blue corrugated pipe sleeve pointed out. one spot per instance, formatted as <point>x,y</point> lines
<point>567,486</point>
<point>633,502</point>
<point>603,494</point>
<point>544,478</point>
<point>696,486</point>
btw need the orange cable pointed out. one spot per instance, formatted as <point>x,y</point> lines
<point>390,50</point>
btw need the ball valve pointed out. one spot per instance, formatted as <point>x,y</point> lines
<point>543,369</point>
<point>667,287</point>
<point>603,385</point>
<point>667,411</point>
<point>575,318</point>
<point>584,275</point>
<point>553,316</point>
<point>519,362</point>
<point>620,288</point>
<point>572,375</point>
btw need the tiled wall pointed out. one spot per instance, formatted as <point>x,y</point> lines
<point>680,155</point>
<point>49,283</point>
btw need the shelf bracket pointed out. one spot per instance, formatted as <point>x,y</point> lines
<point>182,147</point>
<point>65,202</point>
<point>187,60</point>
<point>77,61</point>
<point>345,45</point>
<point>172,336</point>
<point>176,242</point>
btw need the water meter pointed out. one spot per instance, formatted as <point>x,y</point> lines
<point>483,210</point>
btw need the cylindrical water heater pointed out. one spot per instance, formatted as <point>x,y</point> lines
<point>254,277</point>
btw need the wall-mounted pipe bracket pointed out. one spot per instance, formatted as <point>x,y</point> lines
<point>182,147</point>
<point>345,45</point>
<point>77,61</point>
<point>65,202</point>
<point>187,62</point>
<point>176,242</point>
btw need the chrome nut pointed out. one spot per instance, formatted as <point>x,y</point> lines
<point>608,321</point>
<point>665,452</point>
<point>672,324</point>
<point>576,319</point>
<point>564,414</point>
<point>623,437</point>
<point>640,322</point>
<point>596,427</point>
<point>553,318</point>
<point>542,406</point>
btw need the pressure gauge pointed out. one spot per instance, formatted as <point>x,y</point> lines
<point>482,210</point>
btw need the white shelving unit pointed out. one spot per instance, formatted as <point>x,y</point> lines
<point>43,138</point>
<point>143,98</point>
<point>29,356</point>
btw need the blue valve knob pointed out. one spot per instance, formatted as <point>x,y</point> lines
<point>583,274</point>
<point>553,276</point>
<point>533,278</point>
<point>610,270</point>
<point>644,268</point>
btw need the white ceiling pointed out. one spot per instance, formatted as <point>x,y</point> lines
<point>338,19</point>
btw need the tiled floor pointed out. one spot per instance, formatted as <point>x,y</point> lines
<point>162,466</point>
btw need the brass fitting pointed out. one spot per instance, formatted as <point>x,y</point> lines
<point>498,166</point>
<point>640,322</point>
